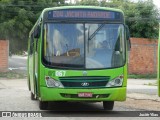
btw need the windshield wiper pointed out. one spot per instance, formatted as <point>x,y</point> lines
<point>95,32</point>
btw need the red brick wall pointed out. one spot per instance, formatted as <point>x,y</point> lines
<point>4,50</point>
<point>143,56</point>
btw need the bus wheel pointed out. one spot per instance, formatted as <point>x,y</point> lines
<point>33,97</point>
<point>43,105</point>
<point>108,105</point>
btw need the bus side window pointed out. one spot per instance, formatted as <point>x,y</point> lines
<point>36,45</point>
<point>37,31</point>
<point>31,44</point>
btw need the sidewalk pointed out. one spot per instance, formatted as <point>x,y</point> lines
<point>142,89</point>
<point>14,83</point>
<point>142,84</point>
<point>136,88</point>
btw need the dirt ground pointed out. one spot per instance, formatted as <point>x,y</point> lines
<point>148,105</point>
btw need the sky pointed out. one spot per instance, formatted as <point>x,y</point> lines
<point>157,3</point>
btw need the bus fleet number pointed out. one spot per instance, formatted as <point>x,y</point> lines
<point>60,73</point>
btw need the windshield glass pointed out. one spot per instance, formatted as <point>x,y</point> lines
<point>84,45</point>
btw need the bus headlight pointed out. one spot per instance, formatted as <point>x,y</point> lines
<point>116,82</point>
<point>50,82</point>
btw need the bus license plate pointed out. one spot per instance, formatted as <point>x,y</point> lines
<point>86,94</point>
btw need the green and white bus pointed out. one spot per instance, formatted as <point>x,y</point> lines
<point>158,74</point>
<point>78,53</point>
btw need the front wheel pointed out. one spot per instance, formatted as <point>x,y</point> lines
<point>33,96</point>
<point>108,105</point>
<point>43,105</point>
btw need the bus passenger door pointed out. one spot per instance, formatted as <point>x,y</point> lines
<point>36,39</point>
<point>36,65</point>
<point>31,63</point>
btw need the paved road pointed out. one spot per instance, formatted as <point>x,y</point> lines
<point>18,93</point>
<point>14,96</point>
<point>18,62</point>
<point>142,86</point>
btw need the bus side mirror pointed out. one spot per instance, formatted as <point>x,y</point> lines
<point>37,32</point>
<point>128,38</point>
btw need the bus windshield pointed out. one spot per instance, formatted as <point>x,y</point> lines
<point>84,45</point>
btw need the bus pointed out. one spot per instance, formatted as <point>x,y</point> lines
<point>158,74</point>
<point>78,53</point>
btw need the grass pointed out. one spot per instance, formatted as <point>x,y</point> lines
<point>147,76</point>
<point>153,84</point>
<point>13,75</point>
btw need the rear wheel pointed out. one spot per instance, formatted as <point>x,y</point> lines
<point>43,105</point>
<point>108,105</point>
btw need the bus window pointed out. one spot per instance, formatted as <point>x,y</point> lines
<point>31,45</point>
<point>102,46</point>
<point>64,43</point>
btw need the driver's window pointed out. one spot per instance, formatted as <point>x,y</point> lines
<point>120,44</point>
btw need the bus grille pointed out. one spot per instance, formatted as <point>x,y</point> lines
<point>84,82</point>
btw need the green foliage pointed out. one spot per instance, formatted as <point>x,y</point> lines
<point>13,75</point>
<point>141,17</point>
<point>88,2</point>
<point>18,17</point>
<point>145,76</point>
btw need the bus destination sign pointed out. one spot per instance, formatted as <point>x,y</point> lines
<point>83,14</point>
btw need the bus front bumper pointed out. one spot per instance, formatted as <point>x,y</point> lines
<point>101,94</point>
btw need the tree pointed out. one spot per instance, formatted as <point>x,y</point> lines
<point>142,20</point>
<point>141,17</point>
<point>88,2</point>
<point>18,17</point>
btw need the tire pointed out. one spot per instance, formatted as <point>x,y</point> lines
<point>33,97</point>
<point>28,83</point>
<point>108,105</point>
<point>43,105</point>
